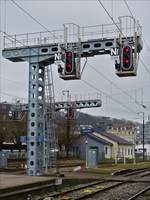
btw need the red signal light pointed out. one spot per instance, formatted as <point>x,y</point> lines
<point>126,49</point>
<point>68,67</point>
<point>127,57</point>
<point>69,62</point>
<point>69,54</point>
<point>126,60</point>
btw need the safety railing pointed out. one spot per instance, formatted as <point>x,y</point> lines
<point>126,27</point>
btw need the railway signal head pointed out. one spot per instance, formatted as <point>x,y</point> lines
<point>127,57</point>
<point>125,65</point>
<point>69,62</point>
<point>71,69</point>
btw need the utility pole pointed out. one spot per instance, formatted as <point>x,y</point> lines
<point>86,152</point>
<point>143,137</point>
<point>68,131</point>
<point>68,124</point>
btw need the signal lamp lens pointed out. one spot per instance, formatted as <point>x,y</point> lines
<point>68,67</point>
<point>126,49</point>
<point>69,54</point>
<point>126,60</point>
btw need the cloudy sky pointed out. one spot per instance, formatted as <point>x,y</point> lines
<point>119,103</point>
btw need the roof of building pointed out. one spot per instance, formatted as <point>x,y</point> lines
<point>91,135</point>
<point>113,137</point>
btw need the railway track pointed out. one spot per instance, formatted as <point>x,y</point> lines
<point>138,172</point>
<point>99,190</point>
<point>142,194</point>
<point>126,191</point>
<point>86,191</point>
<point>108,189</point>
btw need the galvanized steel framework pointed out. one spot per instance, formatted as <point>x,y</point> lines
<point>36,121</point>
<point>39,49</point>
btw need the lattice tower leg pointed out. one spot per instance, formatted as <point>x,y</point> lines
<point>51,139</point>
<point>36,121</point>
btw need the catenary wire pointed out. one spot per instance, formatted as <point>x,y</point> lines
<point>113,99</point>
<point>121,32</point>
<point>148,48</point>
<point>33,18</point>
<point>110,16</point>
<point>43,25</point>
<point>141,60</point>
<point>128,7</point>
<point>114,84</point>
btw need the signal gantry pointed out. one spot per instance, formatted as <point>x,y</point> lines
<point>65,48</point>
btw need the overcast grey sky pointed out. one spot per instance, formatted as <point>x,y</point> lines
<point>54,13</point>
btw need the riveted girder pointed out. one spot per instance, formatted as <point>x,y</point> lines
<point>78,104</point>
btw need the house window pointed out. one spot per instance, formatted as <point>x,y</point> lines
<point>131,151</point>
<point>106,150</point>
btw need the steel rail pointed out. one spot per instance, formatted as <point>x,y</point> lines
<point>87,186</point>
<point>136,172</point>
<point>139,193</point>
<point>77,188</point>
<point>99,191</point>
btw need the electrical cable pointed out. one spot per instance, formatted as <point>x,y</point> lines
<point>113,19</point>
<point>5,15</point>
<point>46,28</point>
<point>118,102</point>
<point>33,18</point>
<point>102,75</point>
<point>110,17</point>
<point>84,66</point>
<point>37,21</point>
<point>127,5</point>
<point>120,30</point>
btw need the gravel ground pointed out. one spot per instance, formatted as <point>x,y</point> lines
<point>87,190</point>
<point>122,192</point>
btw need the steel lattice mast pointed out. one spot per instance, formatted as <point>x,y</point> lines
<point>50,143</point>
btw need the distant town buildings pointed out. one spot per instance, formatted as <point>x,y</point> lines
<point>139,138</point>
<point>125,131</point>
<point>4,111</point>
